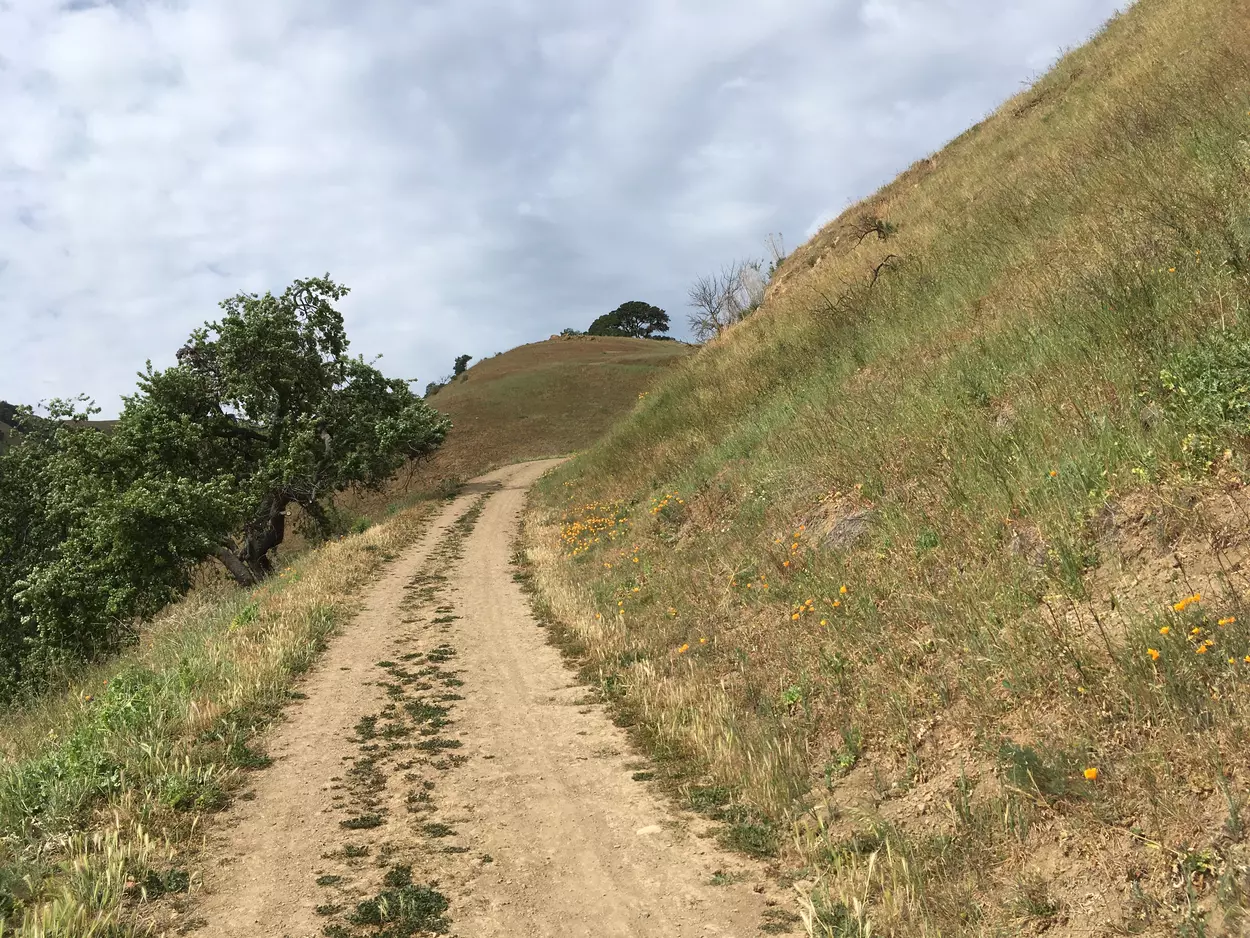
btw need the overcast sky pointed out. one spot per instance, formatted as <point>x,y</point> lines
<point>481,173</point>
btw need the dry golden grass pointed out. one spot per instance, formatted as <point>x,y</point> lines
<point>916,537</point>
<point>535,401</point>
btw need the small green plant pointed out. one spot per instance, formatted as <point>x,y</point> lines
<point>755,837</point>
<point>156,883</point>
<point>1208,387</point>
<point>928,539</point>
<point>241,755</point>
<point>844,758</point>
<point>404,912</point>
<point>397,877</point>
<point>362,822</point>
<point>711,800</point>
<point>1027,770</point>
<point>777,921</point>
<point>833,918</point>
<point>438,744</point>
<point>1033,900</point>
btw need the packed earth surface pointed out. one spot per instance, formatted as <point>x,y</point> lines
<point>445,771</point>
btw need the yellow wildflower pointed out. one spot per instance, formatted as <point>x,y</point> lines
<point>1153,653</point>
<point>1092,773</point>
<point>1180,606</point>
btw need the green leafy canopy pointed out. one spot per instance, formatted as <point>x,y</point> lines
<point>264,410</point>
<point>635,318</point>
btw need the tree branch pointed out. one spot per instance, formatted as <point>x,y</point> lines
<point>238,569</point>
<point>884,265</point>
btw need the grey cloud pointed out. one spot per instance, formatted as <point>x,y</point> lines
<point>480,172</point>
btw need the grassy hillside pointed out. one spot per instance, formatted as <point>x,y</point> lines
<point>543,399</point>
<point>929,577</point>
<point>105,789</point>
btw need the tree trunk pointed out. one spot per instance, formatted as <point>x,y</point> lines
<point>238,569</point>
<point>251,563</point>
<point>263,538</point>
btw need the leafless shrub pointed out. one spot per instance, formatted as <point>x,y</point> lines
<point>719,300</point>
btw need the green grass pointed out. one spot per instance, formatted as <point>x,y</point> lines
<point>409,910</point>
<point>892,537</point>
<point>101,786</point>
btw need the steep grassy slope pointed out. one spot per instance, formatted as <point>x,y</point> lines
<point>929,577</point>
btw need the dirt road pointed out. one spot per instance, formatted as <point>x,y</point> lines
<point>446,772</point>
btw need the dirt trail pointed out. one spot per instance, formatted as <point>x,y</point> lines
<point>514,799</point>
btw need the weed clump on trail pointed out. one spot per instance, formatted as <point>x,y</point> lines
<point>936,564</point>
<point>403,908</point>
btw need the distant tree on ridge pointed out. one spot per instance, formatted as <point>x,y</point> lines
<point>635,319</point>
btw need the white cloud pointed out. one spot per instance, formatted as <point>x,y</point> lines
<point>480,172</point>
